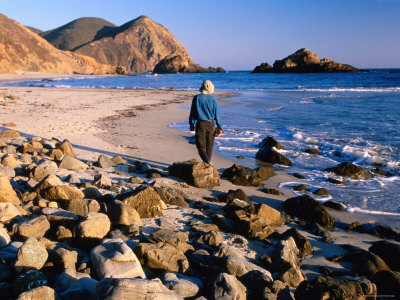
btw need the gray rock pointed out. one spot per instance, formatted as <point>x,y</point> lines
<point>92,193</point>
<point>291,276</point>
<point>115,259</point>
<point>71,163</point>
<point>32,227</point>
<point>178,239</point>
<point>105,162</point>
<point>101,181</point>
<point>239,267</point>
<point>225,286</point>
<point>60,217</point>
<point>94,225</point>
<point>212,238</point>
<point>131,288</point>
<point>161,257</point>
<point>31,255</point>
<point>8,211</point>
<point>286,253</point>
<point>80,207</point>
<point>184,286</point>
<point>39,293</point>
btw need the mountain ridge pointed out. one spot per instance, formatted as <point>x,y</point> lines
<point>23,50</point>
<point>138,45</point>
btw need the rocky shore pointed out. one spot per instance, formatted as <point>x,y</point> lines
<point>81,222</point>
<point>113,227</point>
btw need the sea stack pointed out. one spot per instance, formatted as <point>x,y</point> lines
<point>304,61</point>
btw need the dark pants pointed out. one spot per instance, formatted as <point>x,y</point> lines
<point>205,132</point>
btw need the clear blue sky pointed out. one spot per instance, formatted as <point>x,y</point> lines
<point>238,35</point>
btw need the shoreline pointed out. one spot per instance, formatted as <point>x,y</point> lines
<point>101,128</point>
<point>134,124</point>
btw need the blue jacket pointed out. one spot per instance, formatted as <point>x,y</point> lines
<point>204,107</point>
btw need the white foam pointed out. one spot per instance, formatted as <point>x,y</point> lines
<point>237,149</point>
<point>371,212</point>
<point>275,108</point>
<point>359,89</point>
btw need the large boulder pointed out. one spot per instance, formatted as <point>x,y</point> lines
<point>145,200</point>
<point>115,259</point>
<point>350,170</point>
<point>245,176</point>
<point>307,208</point>
<point>132,288</point>
<point>335,289</point>
<point>198,174</point>
<point>162,257</point>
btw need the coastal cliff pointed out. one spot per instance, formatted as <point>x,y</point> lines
<point>23,50</point>
<point>304,61</point>
<point>140,45</point>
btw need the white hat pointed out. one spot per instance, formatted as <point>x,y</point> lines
<point>207,87</point>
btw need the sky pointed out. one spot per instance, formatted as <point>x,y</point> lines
<point>241,34</point>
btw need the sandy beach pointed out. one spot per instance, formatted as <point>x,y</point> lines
<point>134,124</point>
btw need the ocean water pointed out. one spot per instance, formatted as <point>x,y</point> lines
<point>352,117</point>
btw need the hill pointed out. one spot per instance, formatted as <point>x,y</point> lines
<point>35,30</point>
<point>139,45</point>
<point>77,33</point>
<point>23,50</point>
<point>304,61</point>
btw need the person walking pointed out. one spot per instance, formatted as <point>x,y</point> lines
<point>203,113</point>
